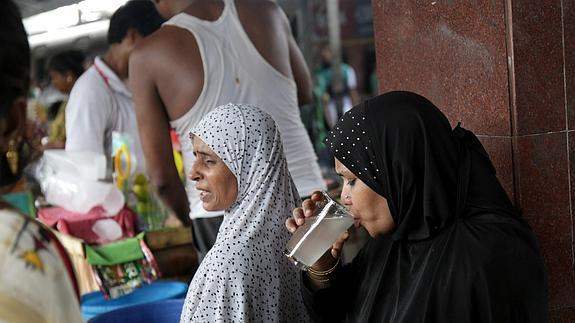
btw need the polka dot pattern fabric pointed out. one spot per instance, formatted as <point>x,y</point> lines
<point>351,143</point>
<point>245,277</point>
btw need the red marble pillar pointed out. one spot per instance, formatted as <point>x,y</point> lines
<point>505,69</point>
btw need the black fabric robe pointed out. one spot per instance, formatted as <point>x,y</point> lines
<point>459,253</point>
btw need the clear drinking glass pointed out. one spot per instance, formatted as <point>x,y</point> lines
<point>310,241</point>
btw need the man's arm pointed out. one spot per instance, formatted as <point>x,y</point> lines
<point>300,71</point>
<point>154,129</point>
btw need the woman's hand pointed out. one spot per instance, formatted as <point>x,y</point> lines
<point>299,215</point>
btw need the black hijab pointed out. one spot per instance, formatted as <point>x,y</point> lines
<point>459,252</point>
<point>403,148</point>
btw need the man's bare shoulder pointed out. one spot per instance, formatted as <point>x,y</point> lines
<point>264,6</point>
<point>166,42</point>
<point>169,60</point>
<point>260,10</point>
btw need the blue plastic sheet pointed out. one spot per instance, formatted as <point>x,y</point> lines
<point>157,312</point>
<point>94,304</point>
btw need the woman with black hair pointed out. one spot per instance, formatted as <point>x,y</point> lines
<point>64,69</point>
<point>447,244</point>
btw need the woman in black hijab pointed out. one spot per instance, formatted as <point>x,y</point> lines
<point>447,244</point>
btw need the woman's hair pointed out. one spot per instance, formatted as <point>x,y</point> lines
<point>139,15</point>
<point>70,60</point>
<point>14,57</point>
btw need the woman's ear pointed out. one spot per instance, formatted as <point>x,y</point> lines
<point>14,124</point>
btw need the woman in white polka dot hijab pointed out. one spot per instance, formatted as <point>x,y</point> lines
<point>241,167</point>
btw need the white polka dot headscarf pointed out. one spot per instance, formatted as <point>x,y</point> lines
<point>245,277</point>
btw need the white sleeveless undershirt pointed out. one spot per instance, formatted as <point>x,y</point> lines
<point>235,72</point>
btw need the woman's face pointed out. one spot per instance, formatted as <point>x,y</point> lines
<point>368,208</point>
<point>217,184</point>
<point>62,82</point>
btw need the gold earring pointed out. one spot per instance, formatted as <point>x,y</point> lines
<point>12,156</point>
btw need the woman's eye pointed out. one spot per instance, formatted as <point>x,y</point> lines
<point>210,162</point>
<point>350,182</point>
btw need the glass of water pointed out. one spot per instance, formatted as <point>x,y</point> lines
<point>310,241</point>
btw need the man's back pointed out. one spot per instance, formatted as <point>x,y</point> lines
<point>264,23</point>
<point>209,54</point>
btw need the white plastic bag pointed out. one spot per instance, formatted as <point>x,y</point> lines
<point>85,164</point>
<point>69,180</point>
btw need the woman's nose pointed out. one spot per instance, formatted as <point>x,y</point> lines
<point>345,197</point>
<point>194,173</point>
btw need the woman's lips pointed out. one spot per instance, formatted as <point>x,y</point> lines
<point>203,195</point>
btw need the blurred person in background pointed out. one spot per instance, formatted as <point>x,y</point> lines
<point>348,94</point>
<point>37,283</point>
<point>100,101</point>
<point>64,69</point>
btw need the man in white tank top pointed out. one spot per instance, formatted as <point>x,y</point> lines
<point>208,54</point>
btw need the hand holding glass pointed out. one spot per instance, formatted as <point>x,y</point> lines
<point>310,241</point>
